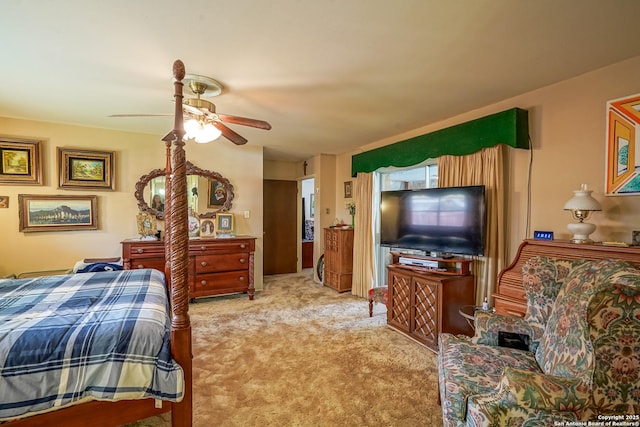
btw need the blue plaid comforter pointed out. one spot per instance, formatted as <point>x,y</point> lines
<point>102,335</point>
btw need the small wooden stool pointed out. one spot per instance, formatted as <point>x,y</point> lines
<point>378,294</point>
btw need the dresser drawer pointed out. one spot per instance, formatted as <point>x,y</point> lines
<point>217,246</point>
<point>146,251</point>
<point>223,262</point>
<point>157,263</point>
<point>218,283</point>
<point>509,308</point>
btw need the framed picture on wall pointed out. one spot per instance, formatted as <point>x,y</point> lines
<point>217,193</point>
<point>20,162</point>
<point>347,189</point>
<point>84,169</point>
<point>622,175</point>
<point>57,213</point>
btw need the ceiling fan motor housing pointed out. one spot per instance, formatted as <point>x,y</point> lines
<point>200,104</point>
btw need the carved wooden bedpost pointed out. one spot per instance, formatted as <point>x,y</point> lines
<point>177,253</point>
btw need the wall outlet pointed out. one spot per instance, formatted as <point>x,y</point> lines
<point>247,214</point>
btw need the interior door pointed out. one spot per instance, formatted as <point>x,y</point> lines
<point>280,226</point>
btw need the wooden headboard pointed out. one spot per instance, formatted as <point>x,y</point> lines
<point>510,298</point>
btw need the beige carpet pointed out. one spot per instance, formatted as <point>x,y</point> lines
<point>302,354</point>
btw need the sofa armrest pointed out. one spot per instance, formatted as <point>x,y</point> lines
<point>488,325</point>
<point>530,395</point>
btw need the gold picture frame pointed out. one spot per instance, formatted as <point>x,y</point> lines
<point>207,228</point>
<point>20,162</point>
<point>4,202</point>
<point>57,213</point>
<point>147,224</point>
<point>225,224</point>
<point>85,169</point>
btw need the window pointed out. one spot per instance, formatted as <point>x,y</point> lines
<point>412,178</point>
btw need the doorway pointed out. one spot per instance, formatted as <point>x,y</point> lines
<point>308,221</point>
<point>280,230</point>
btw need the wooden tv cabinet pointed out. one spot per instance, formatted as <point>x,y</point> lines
<point>216,266</point>
<point>510,298</point>
<point>424,302</point>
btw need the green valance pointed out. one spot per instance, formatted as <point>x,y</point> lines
<point>510,127</point>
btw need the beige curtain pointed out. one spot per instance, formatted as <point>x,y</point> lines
<point>363,236</point>
<point>486,168</point>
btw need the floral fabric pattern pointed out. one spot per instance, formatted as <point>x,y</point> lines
<point>542,278</point>
<point>379,294</point>
<point>587,362</point>
<point>488,325</point>
<point>466,368</point>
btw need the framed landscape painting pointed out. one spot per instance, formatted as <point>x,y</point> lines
<point>57,213</point>
<point>84,169</point>
<point>20,162</point>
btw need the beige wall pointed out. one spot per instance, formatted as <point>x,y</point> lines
<point>135,155</point>
<point>567,125</point>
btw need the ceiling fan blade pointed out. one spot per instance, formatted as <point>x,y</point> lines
<point>244,121</point>
<point>139,115</point>
<point>230,134</point>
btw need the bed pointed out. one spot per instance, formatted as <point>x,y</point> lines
<point>124,303</point>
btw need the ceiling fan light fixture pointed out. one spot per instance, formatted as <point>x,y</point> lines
<point>201,132</point>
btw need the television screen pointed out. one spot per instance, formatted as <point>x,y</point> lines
<point>445,220</point>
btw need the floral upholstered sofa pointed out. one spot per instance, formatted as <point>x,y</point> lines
<point>582,358</point>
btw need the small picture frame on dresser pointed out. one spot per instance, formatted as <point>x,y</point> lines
<point>207,229</point>
<point>225,226</point>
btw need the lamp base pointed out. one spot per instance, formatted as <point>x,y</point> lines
<point>581,241</point>
<point>581,231</point>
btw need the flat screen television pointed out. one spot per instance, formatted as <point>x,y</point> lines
<point>450,220</point>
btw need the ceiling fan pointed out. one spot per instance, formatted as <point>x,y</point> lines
<point>205,123</point>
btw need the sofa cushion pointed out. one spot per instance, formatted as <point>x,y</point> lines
<point>565,348</point>
<point>466,368</point>
<point>542,278</point>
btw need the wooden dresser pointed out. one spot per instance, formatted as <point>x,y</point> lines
<point>510,297</point>
<point>216,266</point>
<point>338,258</point>
<point>424,302</point>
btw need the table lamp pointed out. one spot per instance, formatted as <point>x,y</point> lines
<point>581,205</point>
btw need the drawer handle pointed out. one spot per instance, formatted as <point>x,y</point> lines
<point>140,250</point>
<point>241,278</point>
<point>203,248</point>
<point>140,266</point>
<point>242,261</point>
<point>203,263</point>
<point>203,282</point>
<point>242,246</point>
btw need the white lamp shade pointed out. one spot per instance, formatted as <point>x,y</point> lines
<point>582,201</point>
<point>201,132</point>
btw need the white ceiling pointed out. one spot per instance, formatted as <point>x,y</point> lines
<point>329,75</point>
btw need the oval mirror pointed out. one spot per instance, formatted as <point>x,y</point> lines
<point>209,192</point>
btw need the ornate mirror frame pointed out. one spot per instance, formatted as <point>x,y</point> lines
<point>191,170</point>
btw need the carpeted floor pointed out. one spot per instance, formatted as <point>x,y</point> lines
<point>302,354</point>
